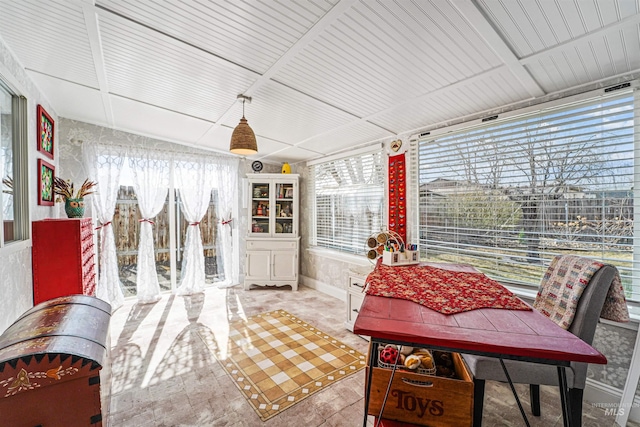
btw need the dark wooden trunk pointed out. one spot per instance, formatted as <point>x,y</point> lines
<point>51,362</point>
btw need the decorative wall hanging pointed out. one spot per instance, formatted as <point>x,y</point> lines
<point>397,195</point>
<point>46,129</point>
<point>395,145</point>
<point>46,174</point>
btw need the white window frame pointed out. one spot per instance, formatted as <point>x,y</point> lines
<point>542,108</point>
<point>358,248</point>
<point>20,154</point>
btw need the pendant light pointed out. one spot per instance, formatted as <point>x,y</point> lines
<point>243,140</point>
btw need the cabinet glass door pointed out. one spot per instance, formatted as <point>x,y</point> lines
<point>284,214</point>
<point>260,208</point>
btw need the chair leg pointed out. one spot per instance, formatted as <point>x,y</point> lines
<point>478,401</point>
<point>534,399</point>
<point>575,399</point>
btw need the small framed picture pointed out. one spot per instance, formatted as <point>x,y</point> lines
<point>46,173</point>
<point>46,128</point>
<point>288,193</point>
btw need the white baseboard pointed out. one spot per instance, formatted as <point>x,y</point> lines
<point>608,398</point>
<point>333,291</point>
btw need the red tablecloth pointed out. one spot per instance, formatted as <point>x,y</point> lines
<point>445,288</point>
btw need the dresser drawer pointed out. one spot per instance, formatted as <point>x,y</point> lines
<point>354,302</point>
<point>356,283</point>
<point>271,245</point>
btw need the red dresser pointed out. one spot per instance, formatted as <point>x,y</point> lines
<point>54,364</point>
<point>63,258</point>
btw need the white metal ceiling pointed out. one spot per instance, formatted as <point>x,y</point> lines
<point>325,75</point>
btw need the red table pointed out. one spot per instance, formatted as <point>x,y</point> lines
<point>504,334</point>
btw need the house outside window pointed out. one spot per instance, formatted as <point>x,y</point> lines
<point>508,196</point>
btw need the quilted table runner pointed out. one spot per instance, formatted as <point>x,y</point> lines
<point>443,290</point>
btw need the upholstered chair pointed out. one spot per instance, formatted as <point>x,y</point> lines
<point>583,325</point>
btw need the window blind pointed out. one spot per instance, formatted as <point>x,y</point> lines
<point>349,200</point>
<point>506,197</point>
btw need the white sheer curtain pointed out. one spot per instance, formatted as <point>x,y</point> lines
<point>194,181</point>
<point>104,164</point>
<point>151,171</point>
<point>226,183</point>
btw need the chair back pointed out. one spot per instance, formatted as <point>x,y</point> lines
<point>590,304</point>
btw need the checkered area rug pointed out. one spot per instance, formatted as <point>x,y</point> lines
<point>276,360</point>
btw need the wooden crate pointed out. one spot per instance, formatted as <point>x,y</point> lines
<point>425,400</point>
<point>382,422</point>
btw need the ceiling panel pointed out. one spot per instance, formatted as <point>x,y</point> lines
<point>379,53</point>
<point>532,26</point>
<point>72,100</point>
<point>147,120</point>
<point>324,75</point>
<point>217,138</point>
<point>284,114</point>
<point>284,154</point>
<point>49,37</point>
<point>155,69</point>
<point>268,149</point>
<point>350,136</point>
<point>587,59</point>
<point>490,91</point>
<point>253,34</point>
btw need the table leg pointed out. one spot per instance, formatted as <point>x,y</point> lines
<point>367,383</point>
<point>564,397</point>
<point>515,393</point>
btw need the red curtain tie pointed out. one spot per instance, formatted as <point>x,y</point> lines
<point>146,220</point>
<point>194,223</point>
<point>103,225</point>
<point>226,221</point>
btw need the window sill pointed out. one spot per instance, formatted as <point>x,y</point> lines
<point>13,247</point>
<point>360,260</point>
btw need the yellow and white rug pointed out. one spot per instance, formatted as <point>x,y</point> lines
<point>276,360</point>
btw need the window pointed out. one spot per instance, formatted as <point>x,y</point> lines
<point>349,200</point>
<point>507,197</point>
<point>13,155</point>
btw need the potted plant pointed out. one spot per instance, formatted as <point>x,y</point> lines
<point>73,203</point>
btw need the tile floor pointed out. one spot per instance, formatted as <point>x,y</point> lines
<point>162,374</point>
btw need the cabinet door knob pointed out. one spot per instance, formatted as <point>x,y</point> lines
<point>356,310</point>
<point>358,285</point>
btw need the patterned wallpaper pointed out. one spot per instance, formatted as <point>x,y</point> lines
<point>326,270</point>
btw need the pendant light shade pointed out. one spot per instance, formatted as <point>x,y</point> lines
<point>243,140</point>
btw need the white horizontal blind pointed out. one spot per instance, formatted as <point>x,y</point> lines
<point>507,197</point>
<point>349,200</point>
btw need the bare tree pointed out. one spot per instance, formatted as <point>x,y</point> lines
<point>550,170</point>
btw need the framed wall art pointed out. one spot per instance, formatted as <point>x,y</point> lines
<point>46,173</point>
<point>45,132</point>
